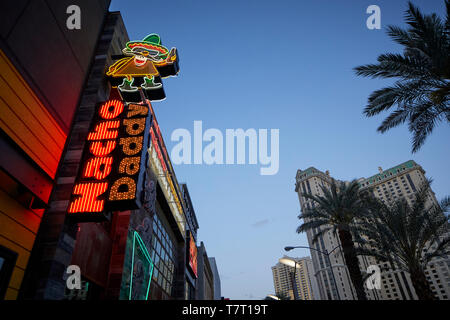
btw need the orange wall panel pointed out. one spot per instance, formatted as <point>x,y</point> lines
<point>26,120</point>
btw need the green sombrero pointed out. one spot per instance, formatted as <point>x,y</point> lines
<point>152,42</point>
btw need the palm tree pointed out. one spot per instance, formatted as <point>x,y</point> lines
<point>422,92</point>
<point>337,210</point>
<point>408,236</point>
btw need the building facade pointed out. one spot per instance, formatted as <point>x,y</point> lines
<point>43,73</point>
<point>335,286</point>
<point>400,181</point>
<point>304,285</point>
<point>191,247</point>
<point>205,284</point>
<point>135,252</point>
<point>54,89</point>
<point>216,277</point>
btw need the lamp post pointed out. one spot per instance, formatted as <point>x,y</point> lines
<point>327,254</point>
<point>291,263</point>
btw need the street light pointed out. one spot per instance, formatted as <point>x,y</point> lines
<point>327,254</point>
<point>273,297</point>
<point>291,263</point>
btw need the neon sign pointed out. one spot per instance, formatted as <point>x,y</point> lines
<point>192,255</point>
<point>142,68</point>
<point>141,288</point>
<point>110,177</point>
<point>159,163</point>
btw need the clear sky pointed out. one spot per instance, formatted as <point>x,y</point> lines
<point>284,65</point>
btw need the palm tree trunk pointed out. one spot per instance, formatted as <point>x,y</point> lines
<point>352,263</point>
<point>421,285</point>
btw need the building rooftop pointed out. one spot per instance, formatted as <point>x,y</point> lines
<point>389,172</point>
<point>383,174</point>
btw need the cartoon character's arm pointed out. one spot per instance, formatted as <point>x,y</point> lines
<point>173,56</point>
<point>169,66</point>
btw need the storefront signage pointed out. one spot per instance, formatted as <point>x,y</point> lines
<point>192,255</point>
<point>158,163</point>
<point>110,175</point>
<point>143,65</point>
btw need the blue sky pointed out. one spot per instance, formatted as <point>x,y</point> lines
<point>284,65</point>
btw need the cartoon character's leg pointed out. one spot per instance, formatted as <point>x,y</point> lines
<point>129,92</point>
<point>149,83</point>
<point>127,85</point>
<point>153,90</point>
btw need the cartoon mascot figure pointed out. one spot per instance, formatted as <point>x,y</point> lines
<point>143,66</point>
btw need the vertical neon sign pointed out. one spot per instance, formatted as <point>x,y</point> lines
<point>110,177</point>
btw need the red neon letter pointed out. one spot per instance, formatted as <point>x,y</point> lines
<point>102,148</point>
<point>88,201</point>
<point>98,168</point>
<point>111,109</point>
<point>105,130</point>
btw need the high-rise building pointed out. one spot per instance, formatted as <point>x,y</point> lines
<point>216,277</point>
<point>298,281</point>
<point>400,181</point>
<point>334,283</point>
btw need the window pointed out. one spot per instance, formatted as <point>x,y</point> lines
<point>7,262</point>
<point>164,252</point>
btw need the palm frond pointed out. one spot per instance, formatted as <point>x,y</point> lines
<point>422,122</point>
<point>402,93</point>
<point>397,117</point>
<point>411,235</point>
<point>422,93</point>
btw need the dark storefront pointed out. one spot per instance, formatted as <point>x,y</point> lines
<point>43,70</point>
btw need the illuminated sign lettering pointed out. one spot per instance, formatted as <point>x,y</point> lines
<point>159,163</point>
<point>192,254</point>
<point>110,177</point>
<point>144,63</point>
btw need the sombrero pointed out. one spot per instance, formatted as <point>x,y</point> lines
<point>152,42</point>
